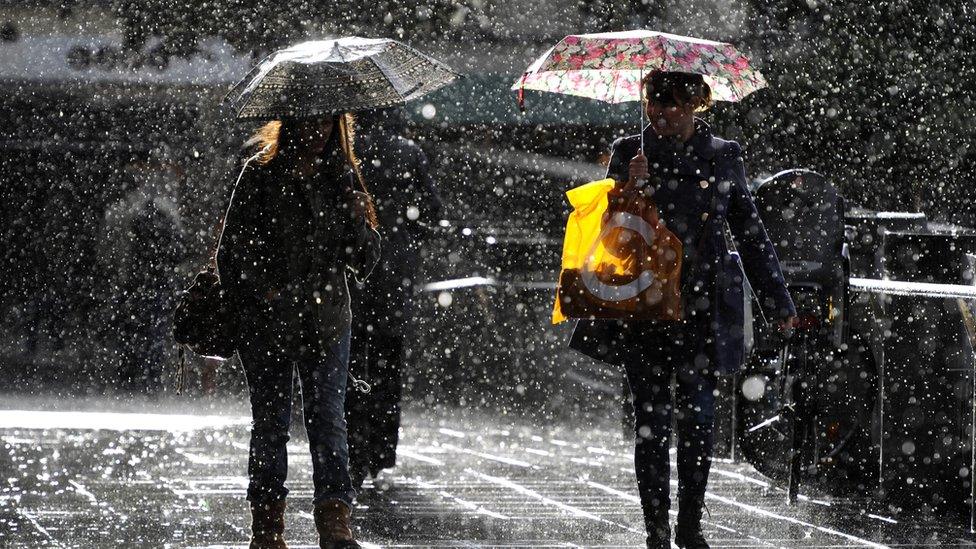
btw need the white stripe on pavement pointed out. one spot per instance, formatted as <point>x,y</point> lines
<point>576,511</point>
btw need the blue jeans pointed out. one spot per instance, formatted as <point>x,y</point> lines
<point>322,374</point>
<point>677,352</point>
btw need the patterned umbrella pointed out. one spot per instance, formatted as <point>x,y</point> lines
<point>609,66</point>
<point>332,76</point>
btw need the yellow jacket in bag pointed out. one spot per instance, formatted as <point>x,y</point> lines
<point>583,227</point>
<point>620,261</point>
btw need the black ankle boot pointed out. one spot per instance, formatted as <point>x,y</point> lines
<point>688,532</point>
<point>658,530</point>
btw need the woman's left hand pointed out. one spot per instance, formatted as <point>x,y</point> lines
<point>786,326</point>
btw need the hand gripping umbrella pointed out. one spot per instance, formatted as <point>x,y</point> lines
<point>332,76</point>
<point>610,66</point>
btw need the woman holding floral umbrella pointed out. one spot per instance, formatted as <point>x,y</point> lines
<point>697,182</point>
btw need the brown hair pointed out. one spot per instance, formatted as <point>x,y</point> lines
<point>273,137</point>
<point>680,88</point>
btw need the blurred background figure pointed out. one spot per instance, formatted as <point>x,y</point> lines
<point>407,204</point>
<point>141,251</point>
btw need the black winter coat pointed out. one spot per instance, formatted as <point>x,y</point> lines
<point>407,205</point>
<point>686,178</point>
<point>286,246</point>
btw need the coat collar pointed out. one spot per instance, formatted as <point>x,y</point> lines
<point>692,158</point>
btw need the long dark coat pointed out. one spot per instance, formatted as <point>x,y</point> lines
<point>286,247</point>
<point>407,204</point>
<point>702,175</point>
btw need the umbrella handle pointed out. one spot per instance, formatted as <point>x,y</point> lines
<point>521,92</point>
<point>643,111</point>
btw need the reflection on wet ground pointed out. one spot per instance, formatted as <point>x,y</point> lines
<point>465,479</point>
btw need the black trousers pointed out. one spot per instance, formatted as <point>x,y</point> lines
<point>374,418</point>
<point>679,353</point>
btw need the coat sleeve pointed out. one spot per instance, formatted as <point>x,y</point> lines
<point>362,249</point>
<point>360,245</point>
<point>240,240</point>
<point>758,255</point>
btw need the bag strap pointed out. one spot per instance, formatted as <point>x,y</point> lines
<point>730,246</point>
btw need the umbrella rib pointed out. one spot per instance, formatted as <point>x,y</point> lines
<point>664,54</point>
<point>338,49</point>
<point>616,84</point>
<point>436,63</point>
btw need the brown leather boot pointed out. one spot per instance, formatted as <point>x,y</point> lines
<point>268,525</point>
<point>332,522</point>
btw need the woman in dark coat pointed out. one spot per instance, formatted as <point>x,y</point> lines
<point>698,183</point>
<point>407,204</point>
<point>295,226</point>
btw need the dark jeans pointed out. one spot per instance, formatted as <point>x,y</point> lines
<point>664,353</point>
<point>322,374</point>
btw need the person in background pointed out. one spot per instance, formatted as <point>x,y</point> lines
<point>407,204</point>
<point>142,247</point>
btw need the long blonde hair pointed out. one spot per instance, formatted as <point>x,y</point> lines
<point>274,137</point>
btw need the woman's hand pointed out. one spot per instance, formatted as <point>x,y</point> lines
<point>638,171</point>
<point>624,191</point>
<point>786,326</point>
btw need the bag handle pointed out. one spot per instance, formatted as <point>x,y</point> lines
<point>730,245</point>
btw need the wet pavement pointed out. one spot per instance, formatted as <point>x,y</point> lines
<point>128,478</point>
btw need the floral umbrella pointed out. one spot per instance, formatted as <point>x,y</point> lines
<point>609,66</point>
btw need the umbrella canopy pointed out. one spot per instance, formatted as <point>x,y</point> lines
<point>332,76</point>
<point>609,66</point>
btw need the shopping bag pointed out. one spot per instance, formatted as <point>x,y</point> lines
<point>619,259</point>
